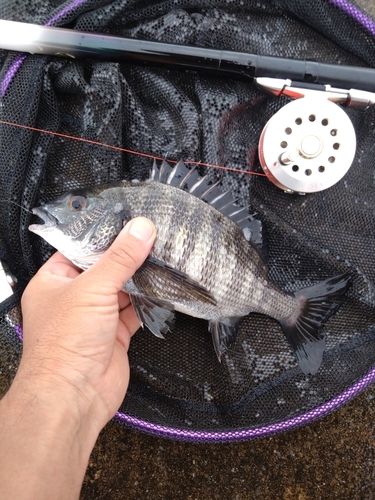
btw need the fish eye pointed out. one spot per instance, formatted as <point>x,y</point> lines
<point>77,203</point>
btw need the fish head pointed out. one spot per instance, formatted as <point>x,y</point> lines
<point>81,225</point>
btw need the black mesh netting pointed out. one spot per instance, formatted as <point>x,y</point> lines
<point>178,388</point>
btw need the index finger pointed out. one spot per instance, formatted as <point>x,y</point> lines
<point>59,265</point>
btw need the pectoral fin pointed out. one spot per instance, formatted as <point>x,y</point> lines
<point>156,279</point>
<point>157,315</point>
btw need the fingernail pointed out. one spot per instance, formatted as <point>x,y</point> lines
<point>141,228</point>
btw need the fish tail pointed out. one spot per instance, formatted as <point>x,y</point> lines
<point>316,304</point>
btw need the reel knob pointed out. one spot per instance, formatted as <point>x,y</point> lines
<point>307,146</point>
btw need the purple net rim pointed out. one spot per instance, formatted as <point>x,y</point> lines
<point>19,60</point>
<point>248,434</point>
<point>355,14</point>
<point>294,422</point>
<point>345,6</point>
<point>243,434</point>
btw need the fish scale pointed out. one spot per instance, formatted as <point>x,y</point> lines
<point>203,235</point>
<point>204,263</point>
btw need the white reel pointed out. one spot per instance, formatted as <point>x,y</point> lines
<point>310,143</point>
<point>307,146</point>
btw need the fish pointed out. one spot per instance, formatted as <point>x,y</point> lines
<point>206,262</point>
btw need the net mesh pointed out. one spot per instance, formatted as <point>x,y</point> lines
<point>177,387</point>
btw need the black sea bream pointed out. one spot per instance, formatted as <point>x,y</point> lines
<point>205,261</point>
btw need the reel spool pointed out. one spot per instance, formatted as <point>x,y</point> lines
<point>307,146</point>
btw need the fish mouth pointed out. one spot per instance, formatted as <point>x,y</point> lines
<point>48,219</point>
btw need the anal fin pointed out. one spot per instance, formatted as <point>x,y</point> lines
<point>223,334</point>
<point>157,315</point>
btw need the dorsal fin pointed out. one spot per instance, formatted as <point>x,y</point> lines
<point>180,176</point>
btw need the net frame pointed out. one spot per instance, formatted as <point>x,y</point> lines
<point>69,12</point>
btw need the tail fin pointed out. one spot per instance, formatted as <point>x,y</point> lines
<point>318,303</point>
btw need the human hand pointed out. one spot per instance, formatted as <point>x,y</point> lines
<point>74,369</point>
<point>77,327</point>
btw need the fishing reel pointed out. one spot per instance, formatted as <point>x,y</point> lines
<point>310,143</point>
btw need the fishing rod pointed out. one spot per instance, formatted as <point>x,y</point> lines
<point>37,39</point>
<point>301,144</point>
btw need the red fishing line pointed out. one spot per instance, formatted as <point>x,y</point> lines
<point>130,151</point>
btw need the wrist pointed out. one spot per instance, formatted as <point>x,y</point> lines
<point>61,387</point>
<point>45,429</point>
<point>56,398</point>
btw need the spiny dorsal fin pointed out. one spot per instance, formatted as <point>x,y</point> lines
<point>180,176</point>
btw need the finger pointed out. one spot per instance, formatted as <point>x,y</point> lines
<point>123,300</point>
<point>59,265</point>
<point>129,318</point>
<point>118,264</point>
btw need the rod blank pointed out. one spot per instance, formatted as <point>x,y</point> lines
<point>36,39</point>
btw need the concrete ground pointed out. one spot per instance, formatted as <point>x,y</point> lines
<point>333,458</point>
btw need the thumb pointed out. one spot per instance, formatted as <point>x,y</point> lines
<point>126,254</point>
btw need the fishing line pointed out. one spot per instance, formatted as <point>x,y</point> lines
<point>129,151</point>
<point>18,205</point>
